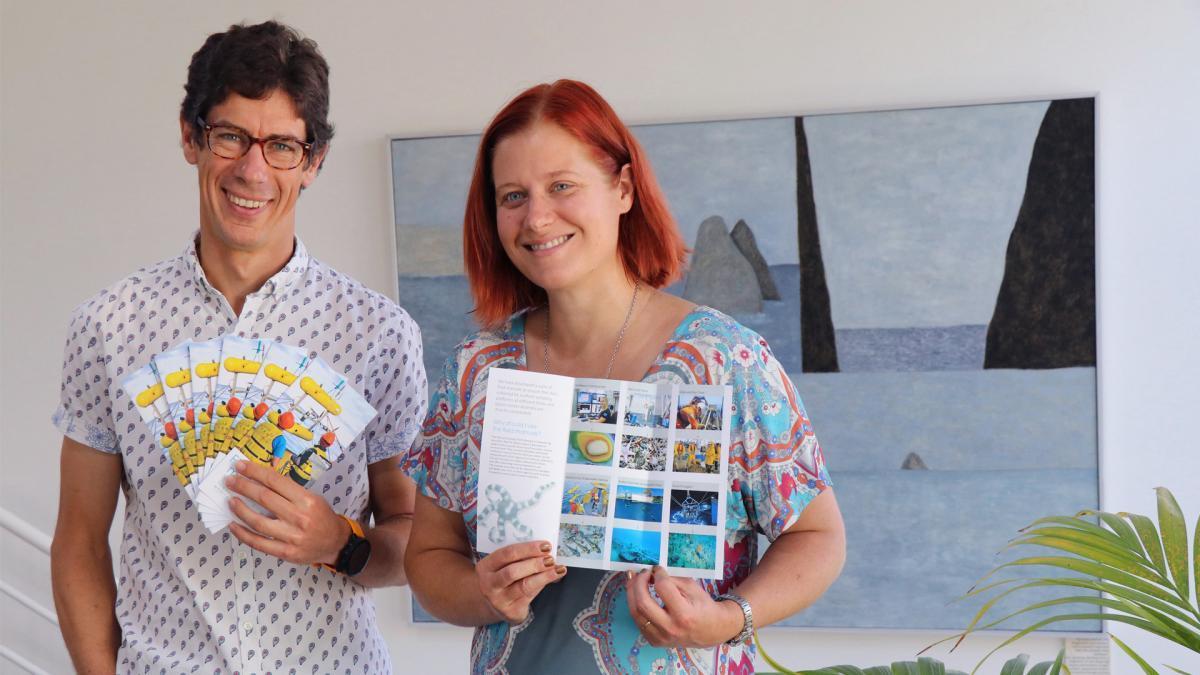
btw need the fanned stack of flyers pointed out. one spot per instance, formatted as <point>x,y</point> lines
<point>211,404</point>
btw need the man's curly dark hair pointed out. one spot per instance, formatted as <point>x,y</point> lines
<point>253,61</point>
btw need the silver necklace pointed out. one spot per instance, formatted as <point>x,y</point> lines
<point>616,347</point>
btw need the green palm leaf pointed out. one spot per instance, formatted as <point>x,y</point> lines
<point>1015,666</point>
<point>1086,538</point>
<point>929,666</point>
<point>1092,569</point>
<point>1050,667</point>
<point>1077,523</point>
<point>1116,524</point>
<point>1149,621</point>
<point>1174,537</point>
<point>1145,620</point>
<point>1133,655</point>
<point>1122,561</point>
<point>1142,572</point>
<point>1175,610</point>
<point>1149,536</point>
<point>1056,619</point>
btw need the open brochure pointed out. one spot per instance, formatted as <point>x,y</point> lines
<point>616,475</point>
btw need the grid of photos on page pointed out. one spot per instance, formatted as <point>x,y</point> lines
<point>645,476</point>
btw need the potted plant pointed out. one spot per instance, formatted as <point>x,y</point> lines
<point>1137,573</point>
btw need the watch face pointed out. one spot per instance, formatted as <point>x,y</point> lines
<point>357,558</point>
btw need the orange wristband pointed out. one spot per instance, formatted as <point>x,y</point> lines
<point>355,528</point>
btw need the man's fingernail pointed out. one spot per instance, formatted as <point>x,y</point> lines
<point>229,480</point>
<point>242,464</point>
<point>545,547</point>
<point>628,575</point>
<point>548,561</point>
<point>561,569</point>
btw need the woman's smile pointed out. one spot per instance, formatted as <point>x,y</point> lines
<point>550,246</point>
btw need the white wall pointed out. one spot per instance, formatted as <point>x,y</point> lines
<point>92,184</point>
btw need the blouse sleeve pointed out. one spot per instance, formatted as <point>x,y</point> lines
<point>435,461</point>
<point>775,462</point>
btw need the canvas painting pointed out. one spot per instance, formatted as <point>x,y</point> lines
<point>926,277</point>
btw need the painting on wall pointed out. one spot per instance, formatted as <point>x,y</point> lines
<point>926,277</point>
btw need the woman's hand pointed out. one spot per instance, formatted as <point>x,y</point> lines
<point>687,617</point>
<point>512,576</point>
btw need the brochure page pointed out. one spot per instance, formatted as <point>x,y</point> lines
<point>521,457</point>
<point>643,471</point>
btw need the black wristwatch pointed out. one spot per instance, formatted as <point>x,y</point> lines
<point>354,555</point>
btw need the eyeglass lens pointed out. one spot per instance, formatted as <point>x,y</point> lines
<point>232,143</point>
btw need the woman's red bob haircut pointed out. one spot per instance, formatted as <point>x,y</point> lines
<point>649,243</point>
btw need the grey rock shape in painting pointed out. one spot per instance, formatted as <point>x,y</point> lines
<point>743,238</point>
<point>719,275</point>
<point>1045,314</point>
<point>914,462</point>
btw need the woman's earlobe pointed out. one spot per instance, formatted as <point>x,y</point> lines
<point>625,185</point>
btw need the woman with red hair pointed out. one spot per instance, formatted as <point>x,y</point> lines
<point>566,241</point>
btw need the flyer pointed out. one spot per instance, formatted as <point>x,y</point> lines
<point>639,471</point>
<point>212,404</point>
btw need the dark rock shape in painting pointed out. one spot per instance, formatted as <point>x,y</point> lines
<point>1045,313</point>
<point>719,275</point>
<point>914,463</point>
<point>817,341</point>
<point>743,238</point>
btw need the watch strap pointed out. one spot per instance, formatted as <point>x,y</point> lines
<point>355,531</point>
<point>748,627</point>
<point>354,526</point>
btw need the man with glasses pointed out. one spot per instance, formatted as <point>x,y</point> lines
<point>284,593</point>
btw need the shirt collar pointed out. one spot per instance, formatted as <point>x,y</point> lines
<point>291,274</point>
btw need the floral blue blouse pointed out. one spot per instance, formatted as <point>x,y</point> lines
<point>583,623</point>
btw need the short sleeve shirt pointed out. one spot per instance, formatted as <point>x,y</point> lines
<point>582,623</point>
<point>191,601</point>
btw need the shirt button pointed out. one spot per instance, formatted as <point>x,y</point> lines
<point>242,555</point>
<point>247,626</point>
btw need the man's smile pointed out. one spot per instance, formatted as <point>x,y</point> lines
<point>244,202</point>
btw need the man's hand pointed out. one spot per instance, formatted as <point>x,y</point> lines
<point>687,617</point>
<point>304,529</point>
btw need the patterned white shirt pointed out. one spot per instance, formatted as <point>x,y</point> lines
<point>191,601</point>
